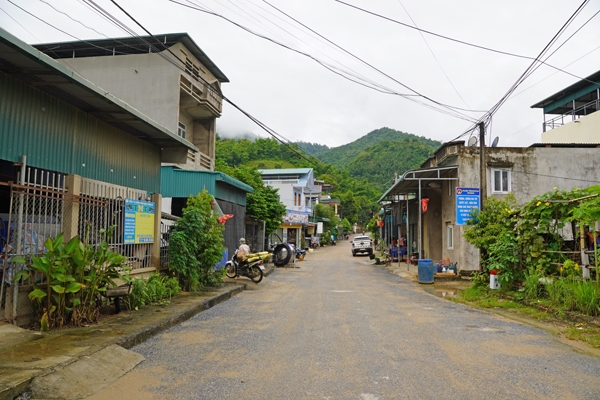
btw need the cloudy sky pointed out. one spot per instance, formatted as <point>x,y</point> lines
<point>350,71</point>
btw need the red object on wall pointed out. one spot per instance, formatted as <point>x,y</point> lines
<point>224,218</point>
<point>424,203</point>
<point>380,223</point>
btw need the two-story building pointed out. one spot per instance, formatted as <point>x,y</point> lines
<point>169,78</point>
<point>297,192</point>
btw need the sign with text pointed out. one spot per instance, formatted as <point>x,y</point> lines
<point>467,199</point>
<point>296,217</point>
<point>139,222</point>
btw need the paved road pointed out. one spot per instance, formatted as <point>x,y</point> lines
<point>339,328</point>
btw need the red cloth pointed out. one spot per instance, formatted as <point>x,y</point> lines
<point>224,218</point>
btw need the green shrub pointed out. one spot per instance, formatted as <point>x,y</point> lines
<point>196,244</point>
<point>157,289</point>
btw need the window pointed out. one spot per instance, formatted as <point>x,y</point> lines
<point>500,180</point>
<point>181,129</point>
<point>450,236</point>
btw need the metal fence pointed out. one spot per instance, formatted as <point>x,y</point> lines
<point>41,208</point>
<point>94,219</point>
<point>37,207</point>
<point>166,226</point>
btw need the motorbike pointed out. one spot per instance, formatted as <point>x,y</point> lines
<point>300,254</point>
<point>252,267</point>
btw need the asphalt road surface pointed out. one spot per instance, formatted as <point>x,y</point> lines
<point>339,328</point>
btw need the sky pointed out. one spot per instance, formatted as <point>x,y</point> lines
<point>349,71</point>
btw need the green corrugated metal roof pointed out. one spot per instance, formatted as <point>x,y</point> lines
<point>177,182</point>
<point>25,63</point>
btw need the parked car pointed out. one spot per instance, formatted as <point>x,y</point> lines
<point>362,244</point>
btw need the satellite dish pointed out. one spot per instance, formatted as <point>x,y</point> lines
<point>472,141</point>
<point>495,142</point>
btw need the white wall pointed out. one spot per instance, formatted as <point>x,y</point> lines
<point>583,130</point>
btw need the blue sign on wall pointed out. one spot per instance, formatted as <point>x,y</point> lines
<point>467,199</point>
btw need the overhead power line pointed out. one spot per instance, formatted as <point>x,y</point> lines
<point>452,39</point>
<point>450,110</point>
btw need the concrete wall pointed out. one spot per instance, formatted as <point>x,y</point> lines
<point>433,225</point>
<point>534,171</point>
<point>204,136</point>
<point>583,130</point>
<point>146,81</point>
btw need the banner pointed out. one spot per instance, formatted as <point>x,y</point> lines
<point>296,217</point>
<point>139,222</point>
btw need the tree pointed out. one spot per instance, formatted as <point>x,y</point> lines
<point>263,204</point>
<point>196,244</point>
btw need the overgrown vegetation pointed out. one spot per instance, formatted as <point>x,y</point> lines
<point>196,244</point>
<point>73,275</point>
<point>534,262</point>
<point>157,289</point>
<point>358,197</point>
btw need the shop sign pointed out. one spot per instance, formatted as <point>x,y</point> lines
<point>467,199</point>
<point>295,217</point>
<point>139,222</point>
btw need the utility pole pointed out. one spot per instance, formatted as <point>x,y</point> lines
<point>482,167</point>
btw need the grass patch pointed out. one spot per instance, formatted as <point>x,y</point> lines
<point>590,335</point>
<point>579,326</point>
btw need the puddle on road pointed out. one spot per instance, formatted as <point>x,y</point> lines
<point>446,289</point>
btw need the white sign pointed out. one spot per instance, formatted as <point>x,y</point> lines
<point>319,228</point>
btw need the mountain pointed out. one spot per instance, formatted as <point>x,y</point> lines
<point>312,148</point>
<point>378,155</point>
<point>341,156</point>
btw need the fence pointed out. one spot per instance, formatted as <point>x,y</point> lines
<point>36,212</point>
<point>139,255</point>
<point>41,208</point>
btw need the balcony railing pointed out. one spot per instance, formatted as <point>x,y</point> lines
<point>203,94</point>
<point>575,114</point>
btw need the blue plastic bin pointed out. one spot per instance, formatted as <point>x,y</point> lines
<point>425,270</point>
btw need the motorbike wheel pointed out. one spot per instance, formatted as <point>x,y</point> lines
<point>255,274</point>
<point>230,270</point>
<point>282,254</point>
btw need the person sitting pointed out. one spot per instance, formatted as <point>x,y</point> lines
<point>241,255</point>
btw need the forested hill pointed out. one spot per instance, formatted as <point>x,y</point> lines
<point>377,156</point>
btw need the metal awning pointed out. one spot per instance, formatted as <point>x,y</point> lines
<point>414,180</point>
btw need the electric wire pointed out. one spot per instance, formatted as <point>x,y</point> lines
<point>363,61</point>
<point>487,118</point>
<point>270,131</point>
<point>451,108</point>
<point>18,23</point>
<point>433,54</point>
<point>451,39</point>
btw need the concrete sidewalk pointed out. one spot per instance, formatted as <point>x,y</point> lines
<point>74,363</point>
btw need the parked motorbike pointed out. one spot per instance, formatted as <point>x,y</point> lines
<point>252,267</point>
<point>300,254</point>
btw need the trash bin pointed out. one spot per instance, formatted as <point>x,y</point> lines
<point>425,270</point>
